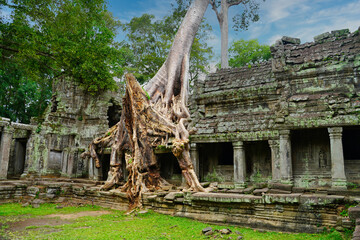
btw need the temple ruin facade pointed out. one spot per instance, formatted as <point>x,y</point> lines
<point>294,119</point>
<point>278,142</point>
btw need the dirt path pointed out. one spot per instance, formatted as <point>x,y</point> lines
<point>22,226</point>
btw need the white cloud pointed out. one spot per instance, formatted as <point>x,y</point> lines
<point>276,10</point>
<point>273,39</point>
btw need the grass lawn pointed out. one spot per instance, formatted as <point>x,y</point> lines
<point>93,222</point>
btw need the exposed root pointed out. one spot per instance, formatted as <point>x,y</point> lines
<point>147,123</point>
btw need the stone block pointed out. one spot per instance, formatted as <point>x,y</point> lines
<point>260,192</point>
<point>33,191</point>
<point>282,198</point>
<point>249,190</point>
<point>281,186</point>
<point>319,38</point>
<point>290,40</point>
<point>354,212</point>
<point>171,196</point>
<point>278,191</point>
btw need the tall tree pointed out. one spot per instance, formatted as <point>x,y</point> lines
<point>150,118</point>
<point>244,52</point>
<point>151,39</point>
<point>242,21</point>
<point>63,38</point>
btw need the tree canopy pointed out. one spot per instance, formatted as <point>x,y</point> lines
<point>42,40</point>
<point>63,37</point>
<point>151,39</point>
<point>244,52</point>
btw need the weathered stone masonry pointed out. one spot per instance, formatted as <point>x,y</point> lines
<point>72,120</point>
<point>295,118</point>
<point>13,141</point>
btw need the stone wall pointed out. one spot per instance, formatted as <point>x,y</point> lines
<point>261,209</point>
<point>303,87</point>
<point>13,141</point>
<point>71,121</point>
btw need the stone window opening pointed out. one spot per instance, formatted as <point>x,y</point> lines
<point>113,113</point>
<point>105,166</point>
<point>169,168</point>
<point>54,103</point>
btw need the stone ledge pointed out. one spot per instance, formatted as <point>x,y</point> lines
<point>226,197</point>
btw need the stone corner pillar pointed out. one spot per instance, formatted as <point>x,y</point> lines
<point>337,158</point>
<point>194,155</point>
<point>239,164</point>
<point>275,161</point>
<point>5,145</point>
<point>286,175</point>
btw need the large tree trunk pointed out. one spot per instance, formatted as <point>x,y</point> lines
<point>224,29</point>
<point>150,118</point>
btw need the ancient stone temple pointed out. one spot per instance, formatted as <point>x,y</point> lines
<point>276,143</point>
<point>51,146</point>
<point>294,119</point>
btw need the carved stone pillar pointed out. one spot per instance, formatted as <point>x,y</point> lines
<point>275,161</point>
<point>239,164</point>
<point>6,138</point>
<point>285,157</point>
<point>337,158</point>
<point>194,154</point>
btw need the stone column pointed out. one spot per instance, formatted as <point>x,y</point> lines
<point>6,138</point>
<point>337,158</point>
<point>285,157</point>
<point>194,154</point>
<point>239,164</point>
<point>275,161</point>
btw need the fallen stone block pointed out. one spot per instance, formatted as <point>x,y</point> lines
<point>260,192</point>
<point>207,229</point>
<point>354,212</point>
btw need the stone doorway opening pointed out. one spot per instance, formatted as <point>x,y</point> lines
<point>216,162</point>
<point>311,157</point>
<point>17,161</point>
<point>105,167</point>
<point>258,161</point>
<point>169,168</point>
<point>351,148</point>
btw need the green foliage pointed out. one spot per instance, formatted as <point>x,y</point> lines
<point>21,98</point>
<point>150,41</point>
<point>43,40</point>
<point>214,177</point>
<point>345,212</point>
<point>250,13</point>
<point>249,52</point>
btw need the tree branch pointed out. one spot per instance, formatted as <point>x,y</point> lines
<point>44,54</point>
<point>232,3</point>
<point>213,5</point>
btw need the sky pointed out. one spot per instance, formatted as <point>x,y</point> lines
<point>302,19</point>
